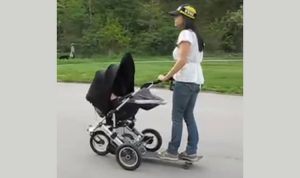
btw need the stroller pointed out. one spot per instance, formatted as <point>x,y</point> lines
<point>115,101</point>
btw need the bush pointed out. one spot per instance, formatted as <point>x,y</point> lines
<point>229,30</point>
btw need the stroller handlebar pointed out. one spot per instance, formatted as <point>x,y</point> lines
<point>159,81</point>
<point>150,84</point>
<point>156,82</point>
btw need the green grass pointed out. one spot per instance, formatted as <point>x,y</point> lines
<point>222,77</point>
<point>116,59</point>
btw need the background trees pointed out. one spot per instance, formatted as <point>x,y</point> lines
<point>101,27</point>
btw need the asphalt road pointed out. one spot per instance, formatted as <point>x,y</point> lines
<point>219,119</point>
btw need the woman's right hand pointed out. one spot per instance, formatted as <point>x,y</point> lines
<point>162,78</point>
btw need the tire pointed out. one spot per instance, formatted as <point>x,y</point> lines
<point>155,134</point>
<point>128,156</point>
<point>99,143</point>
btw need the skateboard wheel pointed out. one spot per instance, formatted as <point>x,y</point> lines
<point>187,165</point>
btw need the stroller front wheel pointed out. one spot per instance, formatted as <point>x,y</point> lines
<point>128,156</point>
<point>99,143</point>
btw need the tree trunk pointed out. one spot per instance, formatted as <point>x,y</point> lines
<point>90,11</point>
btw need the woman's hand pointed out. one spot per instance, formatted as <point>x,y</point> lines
<point>162,78</point>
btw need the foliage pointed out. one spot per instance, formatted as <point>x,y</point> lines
<point>230,29</point>
<point>101,27</point>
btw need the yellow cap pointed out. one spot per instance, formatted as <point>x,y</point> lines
<point>186,10</point>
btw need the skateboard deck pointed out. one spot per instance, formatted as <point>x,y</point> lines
<point>155,156</point>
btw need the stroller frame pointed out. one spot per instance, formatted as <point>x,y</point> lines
<point>106,129</point>
<point>134,141</point>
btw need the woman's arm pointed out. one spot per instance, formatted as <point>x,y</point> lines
<point>184,48</point>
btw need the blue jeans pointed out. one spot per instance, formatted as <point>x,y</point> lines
<point>184,99</point>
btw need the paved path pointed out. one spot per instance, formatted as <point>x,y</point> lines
<point>219,119</point>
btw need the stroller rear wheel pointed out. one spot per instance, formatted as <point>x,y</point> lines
<point>128,156</point>
<point>152,140</point>
<point>99,143</point>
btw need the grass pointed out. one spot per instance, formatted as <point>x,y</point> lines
<point>220,76</point>
<point>117,58</point>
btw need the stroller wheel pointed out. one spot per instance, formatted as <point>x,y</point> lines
<point>152,140</point>
<point>99,143</point>
<point>128,156</point>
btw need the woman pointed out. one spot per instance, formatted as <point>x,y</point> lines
<point>188,76</point>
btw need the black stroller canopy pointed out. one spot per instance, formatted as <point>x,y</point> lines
<point>116,79</point>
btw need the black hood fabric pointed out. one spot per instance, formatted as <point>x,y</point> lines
<point>116,79</point>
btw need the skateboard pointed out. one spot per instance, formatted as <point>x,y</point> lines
<point>186,163</point>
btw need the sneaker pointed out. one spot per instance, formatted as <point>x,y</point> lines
<point>168,156</point>
<point>190,157</point>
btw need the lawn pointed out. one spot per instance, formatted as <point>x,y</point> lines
<point>220,76</point>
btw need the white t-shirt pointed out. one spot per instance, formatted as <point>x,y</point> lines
<point>192,70</point>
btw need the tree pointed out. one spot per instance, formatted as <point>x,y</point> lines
<point>230,30</point>
<point>144,26</point>
<point>113,36</point>
<point>71,14</point>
